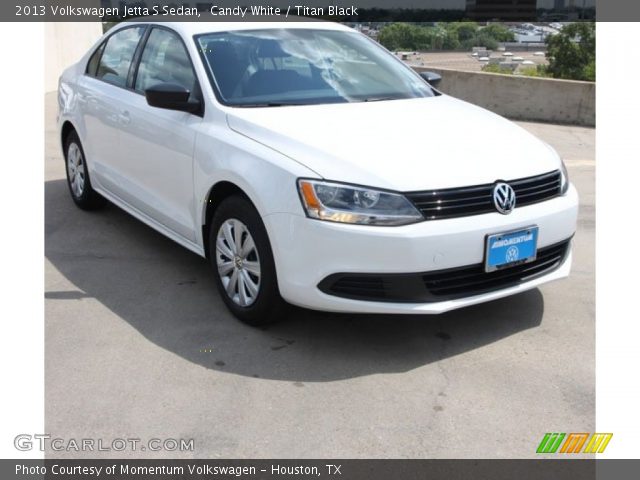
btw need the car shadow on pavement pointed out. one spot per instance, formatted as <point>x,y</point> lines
<point>168,295</point>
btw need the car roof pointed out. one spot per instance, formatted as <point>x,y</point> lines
<point>199,27</point>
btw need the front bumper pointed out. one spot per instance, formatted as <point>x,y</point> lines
<point>308,251</point>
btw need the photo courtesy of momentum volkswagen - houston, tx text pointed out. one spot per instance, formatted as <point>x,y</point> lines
<point>270,150</point>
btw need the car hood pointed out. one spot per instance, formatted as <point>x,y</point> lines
<point>403,145</point>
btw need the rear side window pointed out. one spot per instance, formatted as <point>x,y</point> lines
<point>116,59</point>
<point>92,66</point>
<point>165,60</point>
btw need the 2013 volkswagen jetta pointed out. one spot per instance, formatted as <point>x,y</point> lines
<point>312,167</point>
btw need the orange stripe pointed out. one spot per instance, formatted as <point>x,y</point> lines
<point>581,442</point>
<point>574,442</point>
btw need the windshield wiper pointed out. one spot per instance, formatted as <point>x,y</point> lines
<point>266,104</point>
<point>380,99</point>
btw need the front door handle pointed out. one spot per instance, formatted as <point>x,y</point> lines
<point>124,117</point>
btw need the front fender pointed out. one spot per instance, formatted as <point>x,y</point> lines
<point>267,177</point>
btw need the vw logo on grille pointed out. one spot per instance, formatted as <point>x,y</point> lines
<point>504,198</point>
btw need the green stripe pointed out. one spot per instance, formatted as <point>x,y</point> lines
<point>557,444</point>
<point>543,443</point>
<point>550,442</point>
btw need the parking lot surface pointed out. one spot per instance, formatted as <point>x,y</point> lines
<point>140,345</point>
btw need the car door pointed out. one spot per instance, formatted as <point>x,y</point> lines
<point>157,144</point>
<point>102,93</point>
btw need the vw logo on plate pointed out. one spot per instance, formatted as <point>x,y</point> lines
<point>512,254</point>
<point>504,198</point>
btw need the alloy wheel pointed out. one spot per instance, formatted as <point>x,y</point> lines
<point>75,168</point>
<point>238,262</point>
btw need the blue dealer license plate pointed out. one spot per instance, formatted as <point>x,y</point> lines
<point>508,249</point>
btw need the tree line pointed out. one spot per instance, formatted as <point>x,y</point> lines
<point>443,36</point>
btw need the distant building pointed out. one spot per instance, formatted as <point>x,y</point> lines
<point>484,10</point>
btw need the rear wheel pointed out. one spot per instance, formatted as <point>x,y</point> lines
<point>78,179</point>
<point>241,255</point>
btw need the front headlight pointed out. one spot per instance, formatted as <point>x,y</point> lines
<point>337,202</point>
<point>564,179</point>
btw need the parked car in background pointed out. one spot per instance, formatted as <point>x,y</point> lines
<point>312,167</point>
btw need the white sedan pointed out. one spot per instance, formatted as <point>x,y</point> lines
<point>312,167</point>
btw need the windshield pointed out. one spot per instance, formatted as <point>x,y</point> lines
<point>303,67</point>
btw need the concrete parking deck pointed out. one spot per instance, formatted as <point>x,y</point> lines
<point>139,345</point>
<point>465,61</point>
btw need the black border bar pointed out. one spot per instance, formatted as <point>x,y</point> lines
<point>346,11</point>
<point>544,468</point>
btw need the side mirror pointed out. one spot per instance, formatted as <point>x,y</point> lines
<point>171,97</point>
<point>431,78</point>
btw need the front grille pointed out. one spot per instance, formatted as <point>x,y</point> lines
<point>469,280</point>
<point>476,200</point>
<point>360,286</point>
<point>441,284</point>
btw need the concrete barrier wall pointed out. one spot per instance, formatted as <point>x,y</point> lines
<point>65,44</point>
<point>523,98</point>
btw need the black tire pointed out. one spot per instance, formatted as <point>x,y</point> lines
<point>267,305</point>
<point>85,197</point>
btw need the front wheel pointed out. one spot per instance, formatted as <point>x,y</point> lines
<point>242,259</point>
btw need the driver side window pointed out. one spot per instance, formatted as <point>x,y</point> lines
<point>116,56</point>
<point>165,60</point>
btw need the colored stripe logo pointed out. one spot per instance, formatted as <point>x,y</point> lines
<point>573,442</point>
